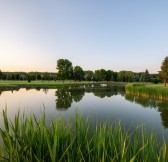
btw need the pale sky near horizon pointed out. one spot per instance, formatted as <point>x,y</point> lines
<point>94,34</point>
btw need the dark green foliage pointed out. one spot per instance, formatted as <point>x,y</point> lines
<point>115,76</point>
<point>164,70</point>
<point>29,78</point>
<point>154,78</point>
<point>77,94</point>
<point>88,75</point>
<point>65,69</point>
<point>146,76</point>
<point>78,73</point>
<point>135,77</point>
<point>1,75</point>
<point>64,99</point>
<point>100,75</point>
<point>125,76</point>
<point>108,75</point>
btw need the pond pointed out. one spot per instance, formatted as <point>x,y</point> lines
<point>101,104</point>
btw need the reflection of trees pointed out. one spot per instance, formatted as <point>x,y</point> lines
<point>145,102</point>
<point>0,93</point>
<point>45,90</point>
<point>160,106</point>
<point>64,99</point>
<point>163,109</point>
<point>108,91</point>
<point>77,94</point>
<point>38,88</point>
<point>104,92</point>
<point>65,96</point>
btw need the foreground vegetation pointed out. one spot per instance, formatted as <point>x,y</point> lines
<point>30,140</point>
<point>156,91</point>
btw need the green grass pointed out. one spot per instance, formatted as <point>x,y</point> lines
<point>31,140</point>
<point>47,84</point>
<point>12,85</point>
<point>156,91</point>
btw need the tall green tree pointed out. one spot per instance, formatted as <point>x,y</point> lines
<point>78,73</point>
<point>146,76</point>
<point>108,75</point>
<point>88,75</point>
<point>125,76</point>
<point>65,69</point>
<point>164,70</point>
<point>100,75</point>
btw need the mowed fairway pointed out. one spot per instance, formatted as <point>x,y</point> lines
<point>34,84</point>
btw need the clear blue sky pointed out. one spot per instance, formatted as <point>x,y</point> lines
<point>110,34</point>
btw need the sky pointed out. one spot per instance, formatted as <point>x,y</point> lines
<point>94,34</point>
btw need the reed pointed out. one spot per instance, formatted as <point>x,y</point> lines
<point>147,90</point>
<point>31,140</point>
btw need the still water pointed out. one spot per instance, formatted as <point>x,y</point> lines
<point>103,104</point>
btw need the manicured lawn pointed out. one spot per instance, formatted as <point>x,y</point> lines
<point>34,84</point>
<point>49,84</point>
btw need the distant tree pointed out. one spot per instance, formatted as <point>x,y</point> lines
<point>125,76</point>
<point>164,70</point>
<point>17,76</point>
<point>100,75</point>
<point>115,76</point>
<point>146,76</point>
<point>78,73</point>
<point>141,79</point>
<point>1,75</point>
<point>108,75</point>
<point>135,77</point>
<point>154,78</point>
<point>46,76</point>
<point>38,76</point>
<point>65,69</point>
<point>29,78</point>
<point>88,75</point>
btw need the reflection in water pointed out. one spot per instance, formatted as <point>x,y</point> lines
<point>106,104</point>
<point>66,95</point>
<point>160,106</point>
<point>108,91</point>
<point>45,90</point>
<point>64,99</point>
<point>77,94</point>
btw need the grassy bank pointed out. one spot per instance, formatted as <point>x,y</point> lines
<point>11,85</point>
<point>37,84</point>
<point>156,91</point>
<point>29,140</point>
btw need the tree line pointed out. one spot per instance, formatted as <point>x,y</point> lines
<point>66,71</point>
<point>31,76</point>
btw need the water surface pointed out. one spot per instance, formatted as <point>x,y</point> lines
<point>103,104</point>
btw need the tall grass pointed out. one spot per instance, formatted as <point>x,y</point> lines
<point>148,90</point>
<point>30,140</point>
